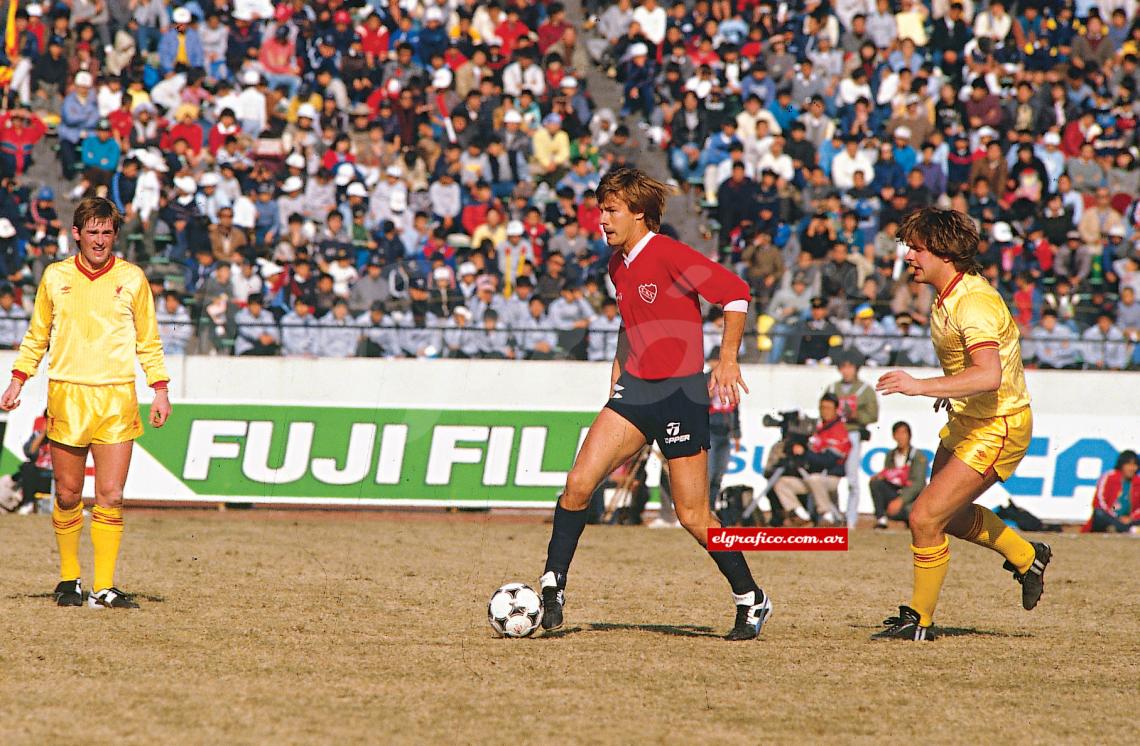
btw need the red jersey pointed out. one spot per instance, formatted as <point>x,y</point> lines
<point>657,286</point>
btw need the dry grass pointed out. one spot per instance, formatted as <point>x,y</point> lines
<point>274,627</point>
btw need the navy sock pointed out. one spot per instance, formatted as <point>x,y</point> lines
<point>735,569</point>
<point>568,526</point>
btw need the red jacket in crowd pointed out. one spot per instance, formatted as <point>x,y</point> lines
<point>1108,491</point>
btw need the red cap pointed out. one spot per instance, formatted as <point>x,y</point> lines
<point>283,13</point>
<point>342,16</point>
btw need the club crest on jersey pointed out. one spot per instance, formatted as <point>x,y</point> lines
<point>648,291</point>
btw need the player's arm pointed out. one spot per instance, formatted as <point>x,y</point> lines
<point>148,348</point>
<point>620,357</point>
<point>718,285</point>
<point>32,348</point>
<point>981,377</point>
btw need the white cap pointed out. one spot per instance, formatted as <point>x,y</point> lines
<point>306,110</point>
<point>393,171</point>
<point>243,14</point>
<point>512,117</point>
<point>210,179</point>
<point>903,133</point>
<point>462,311</point>
<point>345,173</point>
<point>467,268</point>
<point>569,82</point>
<point>433,14</point>
<point>987,132</point>
<point>1117,230</point>
<point>292,184</point>
<point>1052,138</point>
<point>250,77</point>
<point>397,201</point>
<point>34,10</point>
<point>356,189</point>
<point>296,160</point>
<point>638,50</point>
<point>515,228</point>
<point>83,79</point>
<point>7,230</point>
<point>1002,232</point>
<point>441,78</point>
<point>186,184</point>
<point>181,15</point>
<point>441,273</point>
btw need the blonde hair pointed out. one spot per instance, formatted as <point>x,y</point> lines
<point>640,192</point>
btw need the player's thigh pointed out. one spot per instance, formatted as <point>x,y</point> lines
<point>954,487</point>
<point>112,462</point>
<point>69,466</point>
<point>611,441</point>
<point>689,478</point>
<point>941,456</point>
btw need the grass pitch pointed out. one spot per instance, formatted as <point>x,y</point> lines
<point>326,628</point>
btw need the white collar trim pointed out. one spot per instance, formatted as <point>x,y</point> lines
<point>628,259</point>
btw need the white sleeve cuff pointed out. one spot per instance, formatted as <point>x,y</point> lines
<point>740,306</point>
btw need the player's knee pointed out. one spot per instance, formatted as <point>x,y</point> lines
<point>109,497</point>
<point>577,493</point>
<point>67,498</point>
<point>923,521</point>
<point>692,518</point>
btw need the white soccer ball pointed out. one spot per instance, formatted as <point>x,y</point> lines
<point>514,610</point>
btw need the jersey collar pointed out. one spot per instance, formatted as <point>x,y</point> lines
<point>628,258</point>
<point>949,289</point>
<point>96,274</point>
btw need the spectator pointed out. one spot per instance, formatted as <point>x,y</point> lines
<point>338,332</point>
<point>174,326</point>
<point>1115,502</point>
<point>300,332</point>
<point>895,486</point>
<point>535,338</point>
<point>866,337</point>
<point>1103,345</point>
<point>13,320</point>
<point>603,332</point>
<point>859,408</point>
<point>1053,345</point>
<point>816,467</point>
<point>256,329</point>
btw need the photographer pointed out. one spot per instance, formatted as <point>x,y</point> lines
<point>817,466</point>
<point>859,407</point>
<point>900,480</point>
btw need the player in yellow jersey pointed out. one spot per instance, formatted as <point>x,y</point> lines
<point>96,314</point>
<point>990,424</point>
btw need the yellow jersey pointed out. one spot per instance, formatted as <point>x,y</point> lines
<point>970,315</point>
<point>95,323</point>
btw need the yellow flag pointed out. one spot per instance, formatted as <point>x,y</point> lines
<point>9,42</point>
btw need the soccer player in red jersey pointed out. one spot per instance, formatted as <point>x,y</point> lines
<point>658,389</point>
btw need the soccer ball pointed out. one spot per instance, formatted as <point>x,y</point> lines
<point>515,610</point>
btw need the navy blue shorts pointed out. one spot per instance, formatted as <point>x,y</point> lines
<point>674,412</point>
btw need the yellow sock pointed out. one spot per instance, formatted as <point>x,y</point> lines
<point>68,526</point>
<point>930,567</point>
<point>106,533</point>
<point>991,532</point>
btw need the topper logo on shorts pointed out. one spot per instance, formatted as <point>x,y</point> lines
<point>673,431</point>
<point>648,292</point>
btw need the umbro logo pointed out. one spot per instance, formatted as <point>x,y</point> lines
<point>648,292</point>
<point>65,290</point>
<point>118,290</point>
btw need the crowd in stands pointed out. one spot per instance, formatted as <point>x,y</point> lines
<point>372,177</point>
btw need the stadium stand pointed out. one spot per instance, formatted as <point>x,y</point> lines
<point>409,179</point>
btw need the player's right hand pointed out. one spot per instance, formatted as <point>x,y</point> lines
<point>11,398</point>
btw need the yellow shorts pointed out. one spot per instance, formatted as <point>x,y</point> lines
<point>996,443</point>
<point>80,415</point>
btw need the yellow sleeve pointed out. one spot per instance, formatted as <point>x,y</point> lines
<point>148,345</point>
<point>982,321</point>
<point>38,336</point>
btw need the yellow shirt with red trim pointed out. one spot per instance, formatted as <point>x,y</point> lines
<point>969,315</point>
<point>96,325</point>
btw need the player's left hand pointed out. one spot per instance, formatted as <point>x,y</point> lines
<point>899,382</point>
<point>724,379</point>
<point>160,409</point>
